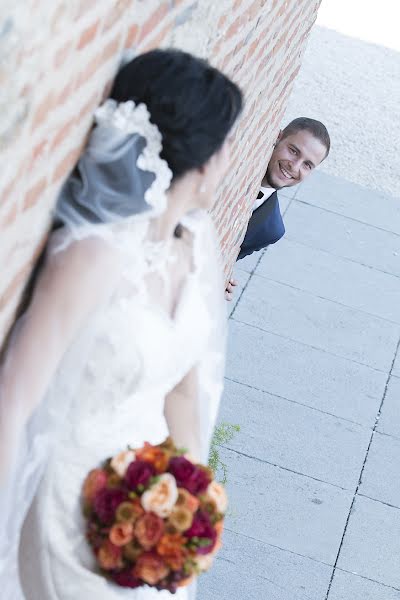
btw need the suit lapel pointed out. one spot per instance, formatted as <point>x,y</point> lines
<point>262,212</point>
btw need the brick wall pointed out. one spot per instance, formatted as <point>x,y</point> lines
<point>58,59</point>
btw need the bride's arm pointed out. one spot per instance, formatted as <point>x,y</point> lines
<point>182,414</point>
<point>72,284</point>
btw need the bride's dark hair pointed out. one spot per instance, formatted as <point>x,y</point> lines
<point>193,104</point>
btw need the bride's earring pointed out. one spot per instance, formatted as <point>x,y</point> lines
<point>203,188</point>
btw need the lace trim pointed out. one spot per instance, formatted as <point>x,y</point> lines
<point>130,118</point>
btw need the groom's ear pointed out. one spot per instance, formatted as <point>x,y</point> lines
<point>278,139</point>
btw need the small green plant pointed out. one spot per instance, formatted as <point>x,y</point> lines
<point>223,434</point>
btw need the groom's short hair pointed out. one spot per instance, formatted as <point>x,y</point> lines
<point>316,128</point>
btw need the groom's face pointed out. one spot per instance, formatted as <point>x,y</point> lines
<point>293,159</point>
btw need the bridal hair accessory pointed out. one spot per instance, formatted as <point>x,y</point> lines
<point>154,517</point>
<point>120,174</point>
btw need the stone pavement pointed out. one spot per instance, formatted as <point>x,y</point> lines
<point>313,380</point>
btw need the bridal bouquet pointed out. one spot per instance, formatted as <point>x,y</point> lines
<point>153,517</point>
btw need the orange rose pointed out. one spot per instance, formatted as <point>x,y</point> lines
<point>172,548</point>
<point>187,500</point>
<point>150,568</point>
<point>121,533</point>
<point>161,496</point>
<point>148,530</point>
<point>185,582</point>
<point>219,528</point>
<point>95,481</point>
<point>109,556</point>
<point>181,518</point>
<point>158,457</point>
<point>129,511</point>
<point>217,494</point>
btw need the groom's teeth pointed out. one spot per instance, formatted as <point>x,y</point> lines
<point>285,173</point>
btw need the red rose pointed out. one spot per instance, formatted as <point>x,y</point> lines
<point>194,479</point>
<point>126,579</point>
<point>148,530</point>
<point>106,503</point>
<point>203,529</point>
<point>139,473</point>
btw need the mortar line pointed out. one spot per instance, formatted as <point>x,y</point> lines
<point>314,295</point>
<point>340,257</point>
<point>267,462</point>
<point>361,473</point>
<point>324,412</point>
<point>333,212</point>
<point>289,339</point>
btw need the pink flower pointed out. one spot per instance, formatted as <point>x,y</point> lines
<point>138,473</point>
<point>194,479</point>
<point>106,503</point>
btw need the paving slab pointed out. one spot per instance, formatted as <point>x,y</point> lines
<point>380,478</point>
<point>285,509</point>
<point>303,374</point>
<point>347,586</point>
<point>371,546</point>
<point>289,192</point>
<point>396,366</point>
<point>278,431</point>
<point>318,322</point>
<point>241,277</point>
<point>334,278</point>
<point>249,263</point>
<point>389,421</point>
<point>343,237</point>
<point>246,568</point>
<point>351,200</point>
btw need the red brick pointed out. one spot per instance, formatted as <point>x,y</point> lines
<point>62,54</point>
<point>43,110</point>
<point>9,217</point>
<point>15,286</point>
<point>158,40</point>
<point>132,36</point>
<point>66,165</point>
<point>38,153</point>
<point>63,133</point>
<point>116,14</point>
<point>154,20</point>
<point>34,194</point>
<point>88,35</point>
<point>111,49</point>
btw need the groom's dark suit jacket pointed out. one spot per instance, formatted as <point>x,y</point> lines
<point>264,228</point>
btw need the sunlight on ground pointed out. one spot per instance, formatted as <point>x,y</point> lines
<point>367,20</point>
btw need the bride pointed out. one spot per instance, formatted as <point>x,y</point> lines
<point>122,341</point>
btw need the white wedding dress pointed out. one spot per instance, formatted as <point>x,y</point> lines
<point>130,355</point>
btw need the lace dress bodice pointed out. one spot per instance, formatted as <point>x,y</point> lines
<point>109,393</point>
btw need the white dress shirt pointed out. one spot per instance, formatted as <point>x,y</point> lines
<point>267,191</point>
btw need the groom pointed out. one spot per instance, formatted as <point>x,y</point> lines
<point>301,146</point>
